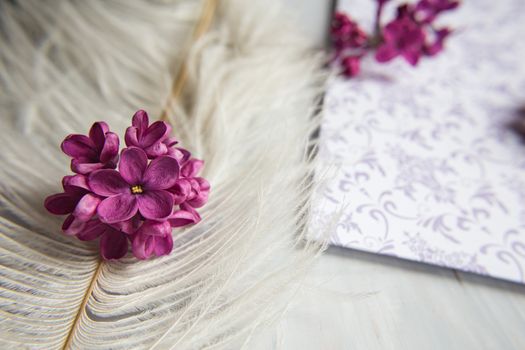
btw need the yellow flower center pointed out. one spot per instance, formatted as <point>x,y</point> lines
<point>136,189</point>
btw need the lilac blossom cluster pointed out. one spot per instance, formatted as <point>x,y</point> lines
<point>412,34</point>
<point>155,189</point>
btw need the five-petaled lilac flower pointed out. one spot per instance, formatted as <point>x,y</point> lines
<point>97,151</point>
<point>136,187</point>
<point>148,137</point>
<point>152,237</point>
<point>402,37</point>
<point>76,200</point>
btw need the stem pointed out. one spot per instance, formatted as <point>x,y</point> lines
<point>377,24</point>
<point>376,37</point>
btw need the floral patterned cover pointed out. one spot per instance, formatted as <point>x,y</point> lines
<point>427,166</point>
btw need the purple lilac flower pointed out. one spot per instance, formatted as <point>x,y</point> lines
<point>97,151</point>
<point>402,37</point>
<point>152,237</point>
<point>346,33</point>
<point>191,189</point>
<point>76,200</point>
<point>136,187</point>
<point>148,137</point>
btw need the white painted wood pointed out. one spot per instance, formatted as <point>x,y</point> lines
<point>313,18</point>
<point>354,300</point>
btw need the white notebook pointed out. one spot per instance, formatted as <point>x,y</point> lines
<point>428,168</point>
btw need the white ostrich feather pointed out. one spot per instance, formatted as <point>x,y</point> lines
<point>247,110</point>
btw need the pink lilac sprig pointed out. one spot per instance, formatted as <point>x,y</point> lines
<point>412,34</point>
<point>136,198</point>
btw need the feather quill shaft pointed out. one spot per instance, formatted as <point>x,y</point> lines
<point>202,26</point>
<point>82,307</point>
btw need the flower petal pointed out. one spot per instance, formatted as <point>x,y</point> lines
<point>156,150</point>
<point>109,147</point>
<point>81,166</point>
<point>180,191</point>
<point>412,57</point>
<point>155,228</point>
<point>117,208</point>
<point>156,205</point>
<point>437,45</point>
<point>155,133</point>
<point>189,208</point>
<point>181,218</point>
<point>92,230</point>
<point>133,163</point>
<point>202,190</point>
<point>113,244</point>
<point>162,173</point>
<point>131,137</point>
<point>97,134</point>
<point>77,146</point>
<point>75,181</point>
<point>191,168</point>
<point>182,155</point>
<point>140,120</point>
<point>72,226</point>
<point>107,182</point>
<point>170,141</point>
<point>128,227</point>
<point>143,246</point>
<point>385,53</point>
<point>163,245</point>
<point>86,207</point>
<point>61,203</point>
